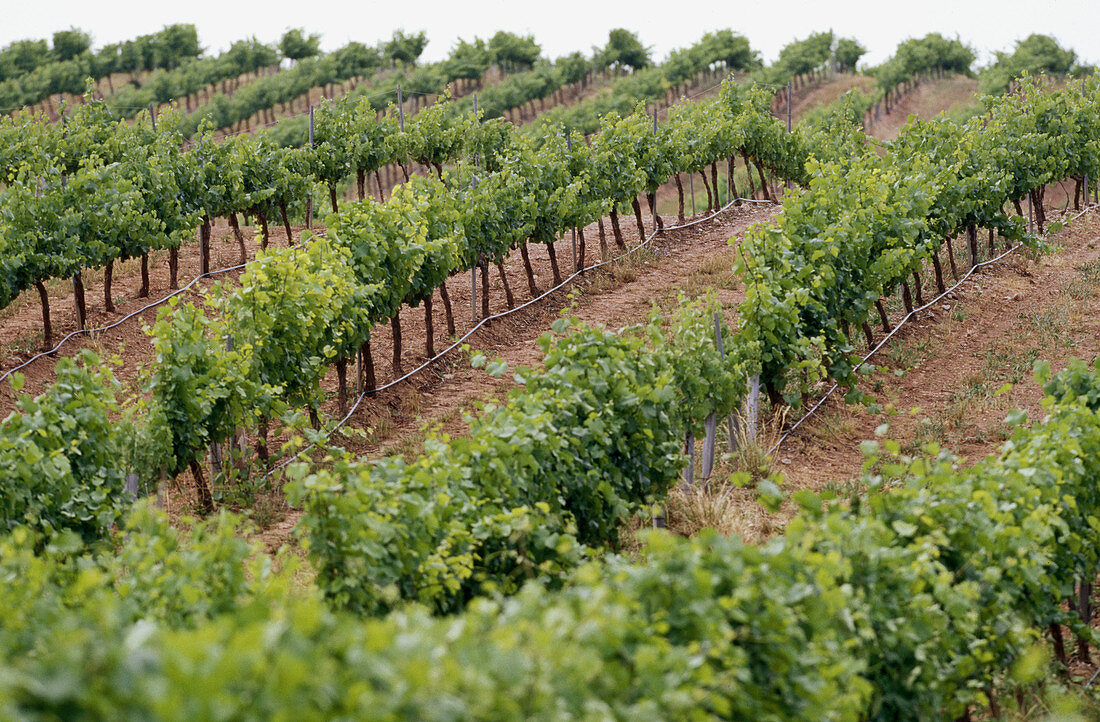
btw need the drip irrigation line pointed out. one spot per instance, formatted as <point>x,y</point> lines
<point>901,323</point>
<point>503,314</point>
<point>127,317</point>
<point>143,309</point>
<point>108,327</point>
<point>381,93</point>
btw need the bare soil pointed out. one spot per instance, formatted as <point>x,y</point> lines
<point>943,377</point>
<point>21,322</point>
<point>824,93</point>
<point>927,101</point>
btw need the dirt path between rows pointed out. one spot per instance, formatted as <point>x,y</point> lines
<point>693,260</point>
<point>825,93</point>
<point>689,261</point>
<point>951,375</point>
<point>929,100</point>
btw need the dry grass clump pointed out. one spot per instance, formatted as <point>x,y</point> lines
<point>728,501</point>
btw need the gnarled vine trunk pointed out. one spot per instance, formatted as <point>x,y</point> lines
<point>367,380</point>
<point>447,311</point>
<point>263,228</point>
<point>528,270</point>
<point>763,183</point>
<point>714,182</point>
<point>882,316</point>
<point>972,241</point>
<point>939,271</point>
<point>731,170</point>
<point>173,267</point>
<point>710,197</point>
<point>951,259</point>
<point>484,266</point>
<point>638,217</point>
<point>108,277</point>
<point>508,297</point>
<point>47,327</point>
<point>429,328</point>
<point>239,236</point>
<point>378,182</point>
<point>906,297</point>
<point>554,261</point>
<point>342,380</point>
<point>615,227</point>
<point>144,292</point>
<point>395,326</point>
<point>286,224</point>
<point>679,199</point>
<point>78,298</point>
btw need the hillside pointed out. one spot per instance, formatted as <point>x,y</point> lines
<point>372,415</point>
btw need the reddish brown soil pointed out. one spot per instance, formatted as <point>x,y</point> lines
<point>927,101</point>
<point>943,371</point>
<point>21,322</point>
<point>617,298</point>
<point>394,420</point>
<point>824,93</point>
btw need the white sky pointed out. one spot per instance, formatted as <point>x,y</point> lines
<point>562,26</point>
